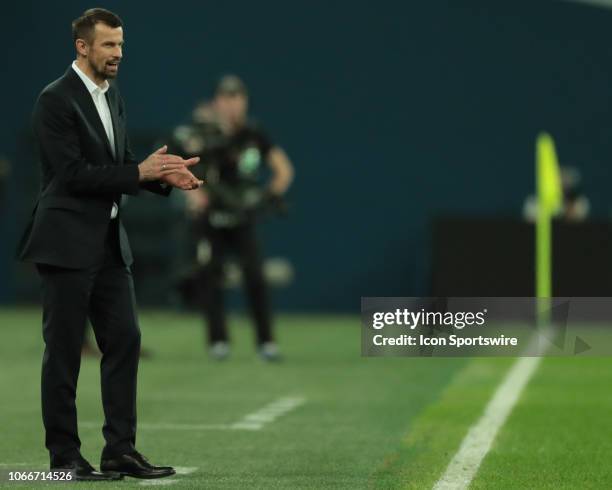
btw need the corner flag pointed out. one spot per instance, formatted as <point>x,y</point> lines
<point>550,200</point>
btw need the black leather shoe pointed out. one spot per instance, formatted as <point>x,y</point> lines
<point>135,465</point>
<point>82,471</point>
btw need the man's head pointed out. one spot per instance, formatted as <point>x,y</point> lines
<point>98,38</point>
<point>231,101</point>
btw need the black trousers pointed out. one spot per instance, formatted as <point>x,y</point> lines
<point>103,293</point>
<point>240,241</point>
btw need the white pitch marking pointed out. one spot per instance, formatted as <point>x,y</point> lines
<point>161,482</point>
<point>185,470</point>
<point>268,414</point>
<point>479,439</point>
<point>163,426</point>
<point>252,421</point>
<point>180,470</point>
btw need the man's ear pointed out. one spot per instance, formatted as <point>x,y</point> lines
<point>82,47</point>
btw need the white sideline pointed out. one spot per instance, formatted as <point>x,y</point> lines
<point>479,439</point>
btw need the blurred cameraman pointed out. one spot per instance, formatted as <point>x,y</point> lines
<point>234,152</point>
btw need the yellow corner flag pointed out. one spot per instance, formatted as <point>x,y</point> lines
<point>550,195</point>
<point>550,200</point>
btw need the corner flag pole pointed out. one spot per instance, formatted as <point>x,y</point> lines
<point>549,197</point>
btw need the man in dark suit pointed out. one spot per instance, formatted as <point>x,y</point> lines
<point>76,239</point>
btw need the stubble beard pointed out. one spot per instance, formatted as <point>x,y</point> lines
<point>103,74</point>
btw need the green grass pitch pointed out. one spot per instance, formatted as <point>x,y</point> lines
<point>362,423</point>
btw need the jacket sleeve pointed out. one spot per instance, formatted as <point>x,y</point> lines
<point>130,160</point>
<point>55,128</point>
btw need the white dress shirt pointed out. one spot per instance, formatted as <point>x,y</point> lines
<point>98,95</point>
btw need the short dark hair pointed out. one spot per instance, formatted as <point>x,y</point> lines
<point>84,26</point>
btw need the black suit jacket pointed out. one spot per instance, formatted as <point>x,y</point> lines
<point>80,177</point>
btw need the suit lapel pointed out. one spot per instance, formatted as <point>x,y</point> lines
<point>89,109</point>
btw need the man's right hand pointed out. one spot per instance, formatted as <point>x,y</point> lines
<point>159,163</point>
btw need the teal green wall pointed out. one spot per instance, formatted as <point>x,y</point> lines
<point>391,111</point>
